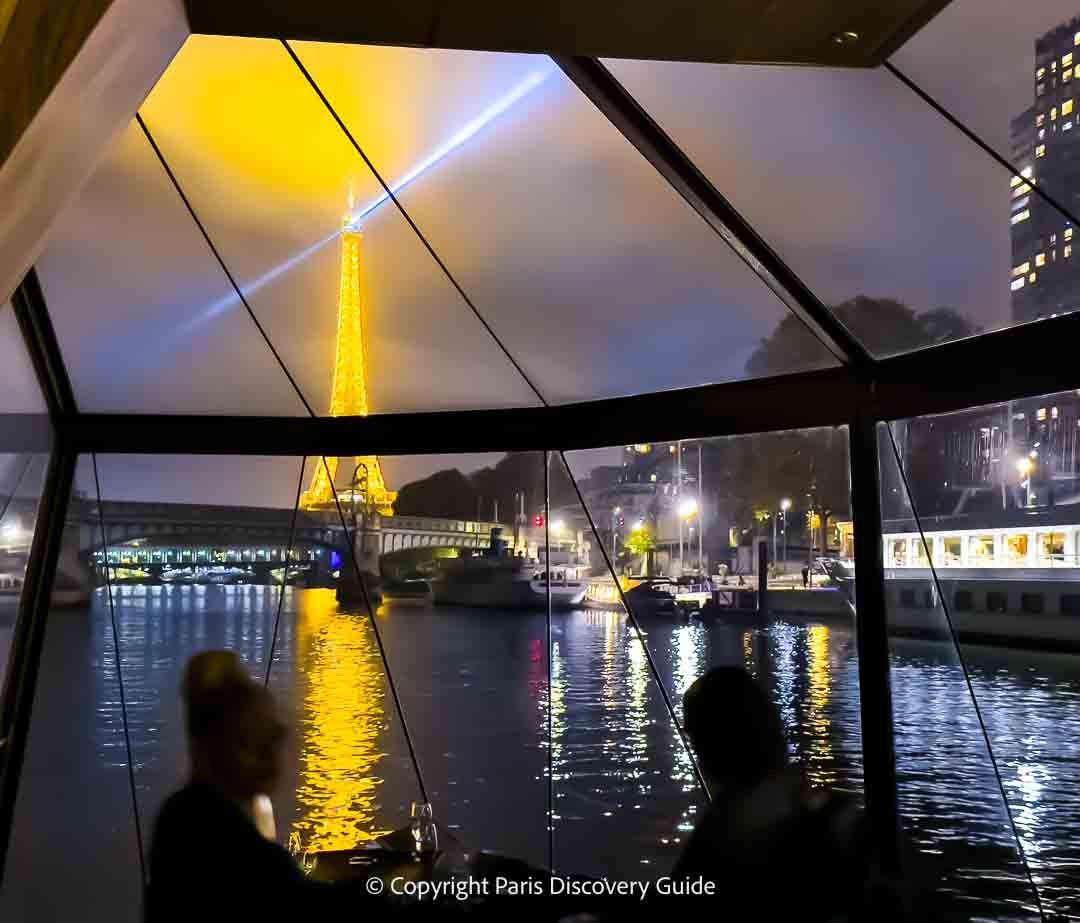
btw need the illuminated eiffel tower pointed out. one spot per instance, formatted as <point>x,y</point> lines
<point>349,397</point>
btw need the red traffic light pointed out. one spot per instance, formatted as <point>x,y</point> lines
<point>538,519</point>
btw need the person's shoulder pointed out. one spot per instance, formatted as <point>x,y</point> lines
<point>192,807</point>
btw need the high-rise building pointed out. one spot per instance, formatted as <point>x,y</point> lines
<point>1045,276</point>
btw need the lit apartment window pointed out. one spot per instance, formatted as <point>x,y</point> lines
<point>1053,113</point>
<point>1016,285</point>
<point>1040,414</point>
<point>1040,119</point>
<point>1023,269</point>
<point>1068,234</point>
<point>1040,259</point>
<point>1040,73</point>
<point>1033,277</point>
<point>1026,172</point>
<point>1040,151</point>
<point>1067,252</point>
<point>1067,125</point>
<point>1020,216</point>
<point>1020,190</point>
<point>1067,107</point>
<point>1066,76</point>
<point>1053,413</point>
<point>1042,133</point>
<point>1076,39</point>
<point>1066,61</point>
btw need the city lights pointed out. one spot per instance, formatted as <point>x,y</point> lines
<point>785,505</point>
<point>688,508</point>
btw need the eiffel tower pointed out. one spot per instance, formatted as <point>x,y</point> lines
<point>349,396</point>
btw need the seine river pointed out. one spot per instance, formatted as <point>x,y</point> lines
<point>474,689</point>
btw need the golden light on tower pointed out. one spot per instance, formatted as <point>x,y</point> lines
<point>349,394</point>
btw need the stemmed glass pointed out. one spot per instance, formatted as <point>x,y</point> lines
<point>424,834</point>
<point>302,856</point>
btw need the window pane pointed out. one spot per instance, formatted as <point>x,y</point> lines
<point>18,383</point>
<point>685,534</point>
<point>22,473</point>
<point>22,478</point>
<point>555,226</point>
<point>196,556</point>
<point>992,487</point>
<point>889,214</point>
<point>127,279</point>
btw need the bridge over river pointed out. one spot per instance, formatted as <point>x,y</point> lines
<point>155,537</point>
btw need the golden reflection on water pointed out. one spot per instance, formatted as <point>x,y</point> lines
<point>341,686</point>
<point>749,661</point>
<point>820,765</point>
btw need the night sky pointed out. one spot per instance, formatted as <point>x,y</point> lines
<point>599,278</point>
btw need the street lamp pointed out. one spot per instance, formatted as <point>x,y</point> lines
<point>615,513</point>
<point>785,505</point>
<point>688,508</point>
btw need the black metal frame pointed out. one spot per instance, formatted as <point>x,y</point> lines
<point>861,392</point>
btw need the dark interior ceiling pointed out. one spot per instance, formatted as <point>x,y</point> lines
<point>780,31</point>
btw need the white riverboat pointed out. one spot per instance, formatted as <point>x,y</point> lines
<point>1015,583</point>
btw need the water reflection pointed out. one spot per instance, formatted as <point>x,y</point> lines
<point>820,759</point>
<point>341,724</point>
<point>475,691</point>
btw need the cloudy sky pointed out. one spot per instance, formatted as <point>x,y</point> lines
<point>598,277</point>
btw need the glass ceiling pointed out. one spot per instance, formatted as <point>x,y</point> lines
<point>594,273</point>
<point>18,383</point>
<point>598,277</point>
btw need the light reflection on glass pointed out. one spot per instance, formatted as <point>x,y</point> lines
<point>343,717</point>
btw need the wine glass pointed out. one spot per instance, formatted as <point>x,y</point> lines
<point>425,837</point>
<point>304,857</point>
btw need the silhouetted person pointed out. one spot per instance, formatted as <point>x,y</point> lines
<point>805,576</point>
<point>208,859</point>
<point>789,852</point>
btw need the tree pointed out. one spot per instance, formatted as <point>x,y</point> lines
<point>641,542</point>
<point>882,325</point>
<point>447,494</point>
<point>811,466</point>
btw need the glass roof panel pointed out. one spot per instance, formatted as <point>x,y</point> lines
<point>19,390</point>
<point>1026,109</point>
<point>271,175</point>
<point>126,276</point>
<point>597,276</point>
<point>887,212</point>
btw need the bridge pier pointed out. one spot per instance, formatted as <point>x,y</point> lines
<point>367,546</point>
